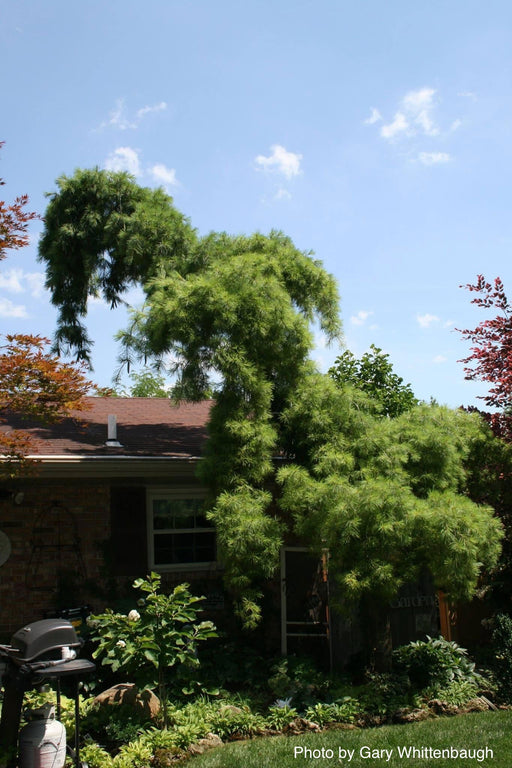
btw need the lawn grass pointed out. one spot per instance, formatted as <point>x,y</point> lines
<point>475,731</point>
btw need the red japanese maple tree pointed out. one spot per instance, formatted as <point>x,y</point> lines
<point>14,221</point>
<point>491,353</point>
<point>33,381</point>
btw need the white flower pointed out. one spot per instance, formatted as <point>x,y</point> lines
<point>282,703</point>
<point>133,615</point>
<point>121,644</point>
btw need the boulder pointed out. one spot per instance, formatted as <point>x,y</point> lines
<point>301,725</point>
<point>408,715</point>
<point>144,703</point>
<point>442,707</point>
<point>211,740</point>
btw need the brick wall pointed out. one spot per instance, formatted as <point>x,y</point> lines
<point>56,534</point>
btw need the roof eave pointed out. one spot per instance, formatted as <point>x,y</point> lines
<point>66,466</point>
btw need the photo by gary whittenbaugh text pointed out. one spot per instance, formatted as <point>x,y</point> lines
<point>403,752</point>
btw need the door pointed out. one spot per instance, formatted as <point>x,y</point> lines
<point>304,604</point>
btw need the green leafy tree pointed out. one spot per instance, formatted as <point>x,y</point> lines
<point>162,634</point>
<point>147,383</point>
<point>373,374</point>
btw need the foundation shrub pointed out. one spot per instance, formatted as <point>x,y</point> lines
<point>230,722</point>
<point>458,692</point>
<point>299,680</point>
<point>434,663</point>
<point>279,717</point>
<point>345,711</point>
<point>384,693</point>
<point>225,666</point>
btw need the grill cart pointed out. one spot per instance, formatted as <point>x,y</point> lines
<point>41,651</point>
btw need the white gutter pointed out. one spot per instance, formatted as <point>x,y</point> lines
<point>105,467</point>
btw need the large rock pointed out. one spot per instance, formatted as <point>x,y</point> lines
<point>144,703</point>
<point>211,740</point>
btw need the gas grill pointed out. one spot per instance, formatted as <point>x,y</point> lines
<point>43,650</point>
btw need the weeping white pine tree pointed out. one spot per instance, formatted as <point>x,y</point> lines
<point>388,496</point>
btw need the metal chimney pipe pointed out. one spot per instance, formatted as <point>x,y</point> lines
<point>112,440</point>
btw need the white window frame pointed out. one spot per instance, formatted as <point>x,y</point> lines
<point>154,494</point>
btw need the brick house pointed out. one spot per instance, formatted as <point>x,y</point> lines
<point>115,495</point>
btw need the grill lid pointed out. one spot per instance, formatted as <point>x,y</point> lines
<point>43,639</point>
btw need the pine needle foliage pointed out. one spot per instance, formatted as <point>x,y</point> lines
<point>230,309</point>
<point>386,496</point>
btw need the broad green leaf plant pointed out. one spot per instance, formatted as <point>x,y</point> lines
<point>162,633</point>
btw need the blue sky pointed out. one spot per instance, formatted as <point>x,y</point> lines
<point>376,134</point>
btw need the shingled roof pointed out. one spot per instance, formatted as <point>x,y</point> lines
<point>146,427</point>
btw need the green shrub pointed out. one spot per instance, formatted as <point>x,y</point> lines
<point>230,720</point>
<point>298,679</point>
<point>228,665</point>
<point>434,663</point>
<point>502,647</point>
<point>279,717</point>
<point>345,711</point>
<point>95,756</point>
<point>148,642</point>
<point>458,692</point>
<point>136,754</point>
<point>173,741</point>
<point>384,692</point>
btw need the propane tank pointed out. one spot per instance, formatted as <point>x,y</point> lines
<point>43,740</point>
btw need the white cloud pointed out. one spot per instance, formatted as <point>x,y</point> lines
<point>124,159</point>
<point>426,320</point>
<point>9,309</point>
<point>163,175</point>
<point>11,280</point>
<point>374,117</point>
<point>419,106</point>
<point>118,118</point>
<point>455,125</point>
<point>18,281</point>
<point>434,158</point>
<point>415,116</point>
<point>361,317</point>
<point>280,161</point>
<point>148,110</point>
<point>438,359</point>
<point>36,281</point>
<point>399,125</point>
<point>282,194</point>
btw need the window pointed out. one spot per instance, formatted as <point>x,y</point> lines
<point>180,536</point>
